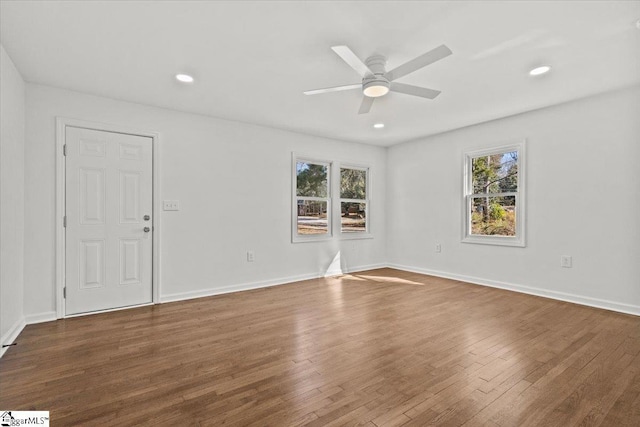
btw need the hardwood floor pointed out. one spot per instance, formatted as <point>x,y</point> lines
<point>377,348</point>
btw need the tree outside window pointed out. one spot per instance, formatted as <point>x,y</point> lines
<point>353,199</point>
<point>312,198</point>
<point>494,202</point>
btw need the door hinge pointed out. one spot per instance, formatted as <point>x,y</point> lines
<point>64,150</point>
<point>64,292</point>
<point>64,221</point>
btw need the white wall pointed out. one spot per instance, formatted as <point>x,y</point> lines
<point>12,116</point>
<point>583,199</point>
<point>233,182</point>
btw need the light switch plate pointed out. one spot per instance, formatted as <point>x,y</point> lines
<point>170,205</point>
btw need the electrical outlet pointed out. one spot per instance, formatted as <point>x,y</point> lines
<point>566,261</point>
<point>438,248</point>
<point>170,205</point>
<point>251,256</point>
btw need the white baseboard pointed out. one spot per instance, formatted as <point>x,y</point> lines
<point>348,270</point>
<point>358,268</point>
<point>562,296</point>
<point>11,335</point>
<point>47,316</point>
<point>181,296</point>
<point>334,272</point>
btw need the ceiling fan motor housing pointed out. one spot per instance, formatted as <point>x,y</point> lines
<point>376,85</point>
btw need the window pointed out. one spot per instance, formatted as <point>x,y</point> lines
<point>323,190</point>
<point>353,199</point>
<point>494,196</point>
<point>312,200</point>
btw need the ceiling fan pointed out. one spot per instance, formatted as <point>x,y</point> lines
<point>376,81</point>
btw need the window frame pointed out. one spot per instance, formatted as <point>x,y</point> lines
<point>334,227</point>
<point>367,231</point>
<point>295,236</point>
<point>467,197</point>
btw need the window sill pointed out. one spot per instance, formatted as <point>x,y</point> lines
<point>355,236</point>
<point>495,241</point>
<point>341,236</point>
<point>297,239</point>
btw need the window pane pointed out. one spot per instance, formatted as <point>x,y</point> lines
<point>353,217</point>
<point>312,217</point>
<point>497,173</point>
<point>311,179</point>
<point>353,184</point>
<point>493,216</point>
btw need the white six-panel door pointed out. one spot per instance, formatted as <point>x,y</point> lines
<point>109,224</point>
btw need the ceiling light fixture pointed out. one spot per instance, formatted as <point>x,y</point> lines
<point>376,87</point>
<point>378,125</point>
<point>184,78</point>
<point>540,70</point>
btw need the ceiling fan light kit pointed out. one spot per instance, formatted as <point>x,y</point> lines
<point>377,82</point>
<point>375,88</point>
<point>375,85</point>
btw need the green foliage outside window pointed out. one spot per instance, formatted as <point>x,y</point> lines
<point>492,211</point>
<point>353,185</point>
<point>311,180</point>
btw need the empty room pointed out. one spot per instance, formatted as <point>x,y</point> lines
<point>320,213</point>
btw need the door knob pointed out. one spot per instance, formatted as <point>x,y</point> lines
<point>147,217</point>
<point>146,229</point>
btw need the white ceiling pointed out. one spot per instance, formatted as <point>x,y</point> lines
<point>253,60</point>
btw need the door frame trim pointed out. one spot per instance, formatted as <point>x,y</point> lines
<point>61,125</point>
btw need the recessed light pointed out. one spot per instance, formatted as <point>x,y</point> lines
<point>378,125</point>
<point>540,70</point>
<point>184,78</point>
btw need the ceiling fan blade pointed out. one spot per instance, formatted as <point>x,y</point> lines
<point>414,90</point>
<point>419,62</point>
<point>365,107</point>
<point>333,89</point>
<point>354,62</point>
